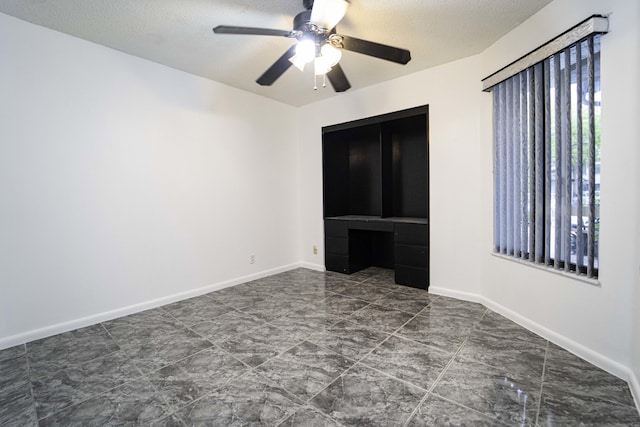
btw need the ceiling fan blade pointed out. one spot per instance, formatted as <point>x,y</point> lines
<point>382,51</point>
<point>338,79</point>
<point>327,13</point>
<point>277,69</point>
<point>230,29</point>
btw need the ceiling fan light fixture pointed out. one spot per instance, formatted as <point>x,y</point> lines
<point>331,53</point>
<point>327,13</point>
<point>318,41</point>
<point>298,62</point>
<point>305,52</point>
<point>322,65</point>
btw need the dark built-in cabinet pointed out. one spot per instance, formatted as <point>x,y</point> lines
<point>376,195</point>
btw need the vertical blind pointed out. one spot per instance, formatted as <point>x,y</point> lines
<point>546,131</point>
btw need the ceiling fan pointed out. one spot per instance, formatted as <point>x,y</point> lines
<point>318,42</point>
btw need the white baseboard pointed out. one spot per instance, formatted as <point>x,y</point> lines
<point>466,296</point>
<point>312,266</point>
<point>70,325</point>
<point>603,362</point>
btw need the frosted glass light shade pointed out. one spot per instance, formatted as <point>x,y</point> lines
<point>305,52</point>
<point>327,13</point>
<point>331,53</point>
<point>321,65</point>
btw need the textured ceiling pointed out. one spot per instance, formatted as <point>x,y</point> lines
<point>178,33</point>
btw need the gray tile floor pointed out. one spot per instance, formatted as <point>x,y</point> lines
<point>305,348</point>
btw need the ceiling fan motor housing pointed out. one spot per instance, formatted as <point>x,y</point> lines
<point>302,20</point>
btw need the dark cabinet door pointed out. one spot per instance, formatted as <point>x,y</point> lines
<point>336,246</point>
<point>412,234</point>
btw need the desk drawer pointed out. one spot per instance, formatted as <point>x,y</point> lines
<point>412,234</point>
<point>413,256</point>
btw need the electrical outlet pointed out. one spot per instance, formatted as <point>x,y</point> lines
<point>315,250</point>
<point>252,259</point>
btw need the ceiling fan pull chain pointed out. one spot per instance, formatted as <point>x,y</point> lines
<point>315,81</point>
<point>324,80</point>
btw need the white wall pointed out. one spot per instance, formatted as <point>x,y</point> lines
<point>125,182</point>
<point>594,321</point>
<point>453,93</point>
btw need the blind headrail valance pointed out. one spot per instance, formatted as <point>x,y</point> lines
<point>596,24</point>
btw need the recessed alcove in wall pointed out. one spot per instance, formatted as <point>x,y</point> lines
<point>376,195</point>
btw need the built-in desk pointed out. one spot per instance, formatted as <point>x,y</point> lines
<point>355,242</point>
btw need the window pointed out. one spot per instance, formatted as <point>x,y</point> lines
<point>547,160</point>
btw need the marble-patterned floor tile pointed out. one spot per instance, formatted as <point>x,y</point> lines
<point>436,411</point>
<point>145,318</point>
<point>522,359</point>
<point>364,396</point>
<point>247,401</point>
<point>309,417</point>
<point>273,308</point>
<point>227,325</point>
<point>339,284</point>
<point>562,407</point>
<point>318,291</point>
<point>305,369</point>
<point>259,345</point>
<point>338,305</point>
<point>13,372</point>
<point>374,273</point>
<point>445,332</point>
<point>409,361</point>
<point>349,339</point>
<point>191,378</point>
<point>364,292</point>
<point>409,290</point>
<point>380,318</point>
<point>499,326</point>
<point>52,354</point>
<point>567,371</point>
<point>247,288</point>
<point>170,421</point>
<point>405,301</point>
<point>134,403</point>
<point>126,336</point>
<point>151,354</point>
<point>197,310</point>
<point>200,300</point>
<point>299,274</point>
<point>490,391</point>
<point>296,300</point>
<point>149,369</point>
<point>17,407</point>
<point>303,323</point>
<point>453,305</point>
<point>471,315</point>
<point>242,301</point>
<point>12,352</point>
<point>77,383</point>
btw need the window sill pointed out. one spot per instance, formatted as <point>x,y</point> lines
<point>580,278</point>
